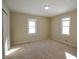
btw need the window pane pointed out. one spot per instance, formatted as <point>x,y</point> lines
<point>32,26</point>
<point>31,23</point>
<point>66,23</point>
<point>31,30</point>
<point>65,30</point>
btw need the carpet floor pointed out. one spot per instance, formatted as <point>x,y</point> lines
<point>44,49</point>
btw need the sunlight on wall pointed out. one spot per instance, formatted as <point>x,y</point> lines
<point>70,56</point>
<point>65,26</point>
<point>11,51</point>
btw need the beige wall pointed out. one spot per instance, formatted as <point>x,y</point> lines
<point>19,28</point>
<point>46,28</point>
<point>56,32</point>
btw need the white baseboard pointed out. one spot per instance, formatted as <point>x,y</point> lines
<point>73,45</point>
<point>30,41</point>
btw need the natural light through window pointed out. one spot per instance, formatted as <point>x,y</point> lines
<point>32,26</point>
<point>66,26</point>
<point>70,56</point>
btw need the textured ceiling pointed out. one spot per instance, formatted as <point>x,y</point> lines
<point>35,7</point>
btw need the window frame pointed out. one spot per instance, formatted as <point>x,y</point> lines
<point>66,26</point>
<point>32,20</point>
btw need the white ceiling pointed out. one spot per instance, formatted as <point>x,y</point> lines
<point>35,7</point>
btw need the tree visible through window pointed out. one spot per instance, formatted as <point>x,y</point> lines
<point>66,26</point>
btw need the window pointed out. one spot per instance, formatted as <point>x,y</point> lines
<point>65,26</point>
<point>32,26</point>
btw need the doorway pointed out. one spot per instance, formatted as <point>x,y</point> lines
<point>5,31</point>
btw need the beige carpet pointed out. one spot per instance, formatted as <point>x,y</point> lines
<point>44,49</point>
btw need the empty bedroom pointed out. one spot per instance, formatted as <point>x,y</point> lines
<point>39,29</point>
